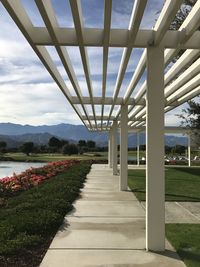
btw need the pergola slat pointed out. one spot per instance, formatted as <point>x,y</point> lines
<point>136,17</point>
<point>78,22</point>
<point>166,16</point>
<point>189,26</point>
<point>48,15</point>
<point>186,76</point>
<point>107,24</point>
<point>188,56</point>
<point>181,64</point>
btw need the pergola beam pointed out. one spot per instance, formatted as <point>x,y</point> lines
<point>118,38</point>
<point>106,101</point>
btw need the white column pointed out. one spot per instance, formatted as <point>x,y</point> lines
<point>124,148</point>
<point>155,176</point>
<point>138,149</point>
<point>114,147</point>
<point>189,151</point>
<point>110,149</point>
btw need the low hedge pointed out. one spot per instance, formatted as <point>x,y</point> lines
<point>31,218</point>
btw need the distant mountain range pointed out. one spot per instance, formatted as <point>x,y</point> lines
<point>18,140</point>
<point>16,134</point>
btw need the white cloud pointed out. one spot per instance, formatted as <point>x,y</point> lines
<point>172,119</point>
<point>28,93</point>
<point>151,13</point>
<point>36,104</point>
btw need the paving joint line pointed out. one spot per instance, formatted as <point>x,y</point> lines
<point>196,217</point>
<point>117,217</point>
<point>123,249</point>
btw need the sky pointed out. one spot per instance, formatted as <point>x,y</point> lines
<point>28,94</point>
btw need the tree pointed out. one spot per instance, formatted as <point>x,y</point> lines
<point>182,14</point>
<point>180,17</point>
<point>168,149</point>
<point>142,147</point>
<point>82,143</point>
<point>55,143</point>
<point>191,115</point>
<point>191,119</point>
<point>91,144</point>
<point>70,149</point>
<point>43,148</point>
<point>63,142</point>
<point>3,146</point>
<point>27,148</point>
<point>178,149</point>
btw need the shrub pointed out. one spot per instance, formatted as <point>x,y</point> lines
<point>33,217</point>
<point>32,177</point>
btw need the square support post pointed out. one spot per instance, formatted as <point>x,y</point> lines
<point>189,151</point>
<point>155,176</point>
<point>138,148</point>
<point>124,148</point>
<point>114,147</point>
<point>110,145</point>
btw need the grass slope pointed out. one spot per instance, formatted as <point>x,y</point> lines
<point>182,184</point>
<point>29,221</point>
<point>186,240</point>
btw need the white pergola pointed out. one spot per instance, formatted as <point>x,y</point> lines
<point>168,130</point>
<point>161,92</point>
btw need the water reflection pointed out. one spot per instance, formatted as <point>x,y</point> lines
<point>7,168</point>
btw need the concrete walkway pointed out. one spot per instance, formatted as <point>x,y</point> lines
<point>181,212</point>
<point>105,229</point>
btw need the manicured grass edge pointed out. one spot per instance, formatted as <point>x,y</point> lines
<point>185,238</point>
<point>188,178</point>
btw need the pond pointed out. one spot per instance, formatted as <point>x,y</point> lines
<point>132,158</point>
<point>7,168</point>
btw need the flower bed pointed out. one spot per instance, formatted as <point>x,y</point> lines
<point>32,177</point>
<point>29,220</point>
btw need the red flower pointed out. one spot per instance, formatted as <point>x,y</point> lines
<point>34,176</point>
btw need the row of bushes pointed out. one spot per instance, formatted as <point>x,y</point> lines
<point>33,217</point>
<point>32,177</point>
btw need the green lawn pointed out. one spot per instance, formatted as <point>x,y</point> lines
<point>47,157</point>
<point>30,220</point>
<point>182,184</point>
<point>185,238</point>
<point>54,157</point>
<point>134,153</point>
